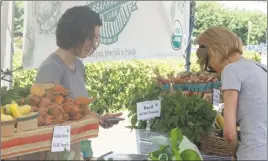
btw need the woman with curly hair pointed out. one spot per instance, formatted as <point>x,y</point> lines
<point>244,86</point>
<point>77,36</point>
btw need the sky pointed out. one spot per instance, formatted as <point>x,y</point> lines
<point>249,5</point>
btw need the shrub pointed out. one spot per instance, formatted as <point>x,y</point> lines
<point>116,84</point>
<point>252,55</point>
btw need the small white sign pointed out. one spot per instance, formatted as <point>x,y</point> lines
<point>148,110</point>
<point>216,97</point>
<point>61,139</point>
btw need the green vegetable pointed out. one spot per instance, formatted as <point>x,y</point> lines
<point>193,115</point>
<point>163,156</point>
<point>190,155</point>
<point>175,154</point>
<point>7,96</point>
<point>176,136</point>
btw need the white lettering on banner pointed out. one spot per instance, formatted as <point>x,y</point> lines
<point>216,97</point>
<point>149,109</point>
<point>130,29</point>
<point>61,139</point>
<point>115,52</point>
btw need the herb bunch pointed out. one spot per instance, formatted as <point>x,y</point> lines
<point>192,114</point>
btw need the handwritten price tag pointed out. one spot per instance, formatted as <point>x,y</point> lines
<point>148,110</point>
<point>61,138</point>
<point>216,97</point>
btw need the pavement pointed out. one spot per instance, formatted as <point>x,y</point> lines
<point>117,139</point>
<point>121,140</point>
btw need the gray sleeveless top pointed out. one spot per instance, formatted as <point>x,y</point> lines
<point>54,70</point>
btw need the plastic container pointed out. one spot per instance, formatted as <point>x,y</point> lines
<point>144,143</point>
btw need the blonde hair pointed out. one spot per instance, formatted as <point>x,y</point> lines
<point>220,44</point>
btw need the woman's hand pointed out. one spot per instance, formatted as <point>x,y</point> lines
<point>108,124</point>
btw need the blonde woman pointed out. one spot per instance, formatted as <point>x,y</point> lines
<point>244,85</point>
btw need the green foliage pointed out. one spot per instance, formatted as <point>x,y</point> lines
<point>18,18</point>
<point>193,115</point>
<point>215,14</point>
<point>116,84</point>
<point>21,78</point>
<point>252,55</point>
<point>14,94</point>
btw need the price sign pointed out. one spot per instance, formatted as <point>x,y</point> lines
<point>216,97</point>
<point>148,110</point>
<point>61,138</point>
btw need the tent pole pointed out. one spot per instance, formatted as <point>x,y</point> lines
<point>191,26</point>
<point>12,41</point>
<point>7,48</point>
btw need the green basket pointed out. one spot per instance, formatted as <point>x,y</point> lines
<point>200,87</point>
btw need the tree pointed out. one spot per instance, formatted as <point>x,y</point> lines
<point>214,14</point>
<point>18,18</point>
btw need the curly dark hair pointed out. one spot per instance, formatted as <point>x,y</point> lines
<point>75,26</point>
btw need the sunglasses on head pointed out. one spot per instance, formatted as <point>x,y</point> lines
<point>207,67</point>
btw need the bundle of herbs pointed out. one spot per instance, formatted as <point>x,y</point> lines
<point>193,115</point>
<point>9,95</point>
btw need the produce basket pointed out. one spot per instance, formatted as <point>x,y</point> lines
<point>200,87</point>
<point>200,84</point>
<point>27,122</point>
<point>215,145</point>
<point>196,82</point>
<point>8,128</point>
<point>40,139</point>
<point>165,87</point>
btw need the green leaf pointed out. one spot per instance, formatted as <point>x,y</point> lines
<point>163,157</point>
<point>177,154</point>
<point>176,136</point>
<point>158,152</point>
